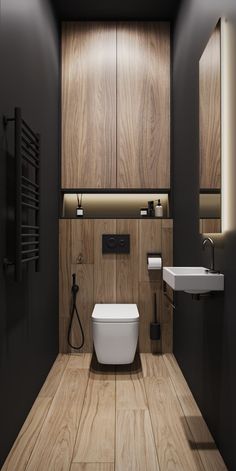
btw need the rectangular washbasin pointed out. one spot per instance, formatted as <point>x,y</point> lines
<point>193,279</point>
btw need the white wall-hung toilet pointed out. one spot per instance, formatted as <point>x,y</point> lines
<point>115,332</point>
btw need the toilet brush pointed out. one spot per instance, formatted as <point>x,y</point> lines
<point>155,328</point>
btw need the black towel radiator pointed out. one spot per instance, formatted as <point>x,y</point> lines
<point>27,197</point>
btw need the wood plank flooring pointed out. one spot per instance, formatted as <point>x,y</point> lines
<point>92,418</point>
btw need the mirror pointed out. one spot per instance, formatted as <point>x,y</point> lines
<point>210,134</point>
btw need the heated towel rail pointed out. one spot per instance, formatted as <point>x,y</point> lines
<point>27,194</point>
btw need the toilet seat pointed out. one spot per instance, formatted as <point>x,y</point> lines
<point>115,313</point>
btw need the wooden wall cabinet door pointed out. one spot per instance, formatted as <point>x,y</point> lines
<point>115,105</point>
<point>143,105</point>
<point>88,105</point>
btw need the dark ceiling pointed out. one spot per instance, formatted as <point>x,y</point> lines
<point>115,9</point>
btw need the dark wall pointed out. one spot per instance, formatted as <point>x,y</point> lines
<point>29,78</point>
<point>204,331</point>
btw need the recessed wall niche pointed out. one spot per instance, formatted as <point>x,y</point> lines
<point>112,205</point>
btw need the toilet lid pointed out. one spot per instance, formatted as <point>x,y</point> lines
<point>115,313</point>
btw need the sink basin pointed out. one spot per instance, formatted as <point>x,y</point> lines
<point>193,279</point>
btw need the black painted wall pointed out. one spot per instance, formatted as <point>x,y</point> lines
<point>29,78</point>
<point>204,331</point>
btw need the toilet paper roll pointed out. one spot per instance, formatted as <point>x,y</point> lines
<point>154,263</point>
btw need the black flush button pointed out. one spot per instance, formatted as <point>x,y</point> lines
<point>115,243</point>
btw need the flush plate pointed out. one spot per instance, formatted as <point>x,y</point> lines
<point>115,243</point>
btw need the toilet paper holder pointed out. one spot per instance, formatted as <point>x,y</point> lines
<point>154,255</point>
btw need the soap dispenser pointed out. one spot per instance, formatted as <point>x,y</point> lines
<point>159,210</point>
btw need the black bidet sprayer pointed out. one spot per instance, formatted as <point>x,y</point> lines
<point>74,310</point>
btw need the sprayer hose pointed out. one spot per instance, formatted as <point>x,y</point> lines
<point>74,311</point>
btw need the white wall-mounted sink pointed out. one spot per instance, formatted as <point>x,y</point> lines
<point>193,279</point>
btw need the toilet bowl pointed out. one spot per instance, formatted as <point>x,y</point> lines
<point>115,332</point>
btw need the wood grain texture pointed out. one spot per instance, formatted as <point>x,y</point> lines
<point>167,242</point>
<point>85,305</point>
<point>210,113</point>
<point>88,105</point>
<point>82,243</point>
<point>210,226</point>
<point>172,435</point>
<point>153,367</point>
<point>134,419</point>
<point>127,264</point>
<point>64,266</point>
<point>135,447</point>
<point>167,310</point>
<point>130,390</point>
<point>114,278</point>
<point>57,437</point>
<point>96,436</point>
<point>104,264</point>
<point>79,360</point>
<point>150,240</point>
<point>92,467</point>
<point>27,437</point>
<point>54,377</point>
<point>143,105</point>
<point>202,439</point>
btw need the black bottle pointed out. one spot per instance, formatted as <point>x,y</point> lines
<point>150,209</point>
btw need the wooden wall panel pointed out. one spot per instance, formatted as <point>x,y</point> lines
<point>114,278</point>
<point>85,305</point>
<point>127,264</point>
<point>167,310</point>
<point>208,226</point>
<point>143,105</point>
<point>104,265</point>
<point>149,241</point>
<point>88,105</point>
<point>82,244</point>
<point>210,113</point>
<point>64,263</point>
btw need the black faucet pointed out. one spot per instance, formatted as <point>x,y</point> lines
<point>209,241</point>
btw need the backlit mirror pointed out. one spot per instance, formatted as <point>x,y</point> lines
<point>210,134</point>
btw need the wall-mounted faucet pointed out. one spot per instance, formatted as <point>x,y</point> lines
<point>209,241</point>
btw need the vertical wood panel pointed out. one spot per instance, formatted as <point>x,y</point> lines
<point>143,105</point>
<point>104,264</point>
<point>64,265</point>
<point>82,247</point>
<point>210,226</point>
<point>149,241</point>
<point>167,310</point>
<point>64,281</point>
<point>88,105</point>
<point>210,113</point>
<point>127,264</point>
<point>85,305</point>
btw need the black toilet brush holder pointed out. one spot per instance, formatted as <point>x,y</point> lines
<point>155,327</point>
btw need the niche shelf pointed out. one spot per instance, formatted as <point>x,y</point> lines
<point>112,204</point>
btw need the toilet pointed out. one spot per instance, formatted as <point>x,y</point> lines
<point>115,332</point>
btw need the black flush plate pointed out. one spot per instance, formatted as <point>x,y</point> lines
<point>115,243</point>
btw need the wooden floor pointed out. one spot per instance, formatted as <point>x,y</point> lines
<point>139,419</point>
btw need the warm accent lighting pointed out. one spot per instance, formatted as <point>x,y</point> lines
<point>228,111</point>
